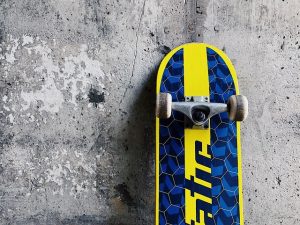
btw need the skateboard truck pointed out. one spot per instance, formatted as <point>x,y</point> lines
<point>199,110</point>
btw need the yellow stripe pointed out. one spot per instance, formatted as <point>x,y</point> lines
<point>157,174</point>
<point>195,84</point>
<point>240,174</point>
<point>195,70</point>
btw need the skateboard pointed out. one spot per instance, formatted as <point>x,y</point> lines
<point>198,147</point>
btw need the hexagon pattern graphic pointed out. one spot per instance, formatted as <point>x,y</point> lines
<point>224,162</point>
<point>171,152</point>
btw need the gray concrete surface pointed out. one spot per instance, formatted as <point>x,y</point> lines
<point>77,99</point>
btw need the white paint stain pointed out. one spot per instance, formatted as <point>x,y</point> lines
<point>88,72</point>
<point>27,40</point>
<point>51,97</point>
<point>55,174</point>
<point>11,49</point>
<point>11,118</point>
<point>48,76</point>
<point>73,73</point>
<point>67,172</point>
<point>6,108</point>
<point>4,98</point>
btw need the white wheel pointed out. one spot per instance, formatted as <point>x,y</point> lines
<point>163,105</point>
<point>237,107</point>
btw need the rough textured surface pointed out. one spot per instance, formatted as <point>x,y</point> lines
<point>77,104</point>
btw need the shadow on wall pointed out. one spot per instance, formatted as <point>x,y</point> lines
<point>132,200</point>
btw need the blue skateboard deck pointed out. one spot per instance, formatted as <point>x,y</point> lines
<point>198,171</point>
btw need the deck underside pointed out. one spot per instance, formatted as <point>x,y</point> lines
<point>197,171</point>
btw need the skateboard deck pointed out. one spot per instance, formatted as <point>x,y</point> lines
<point>198,171</point>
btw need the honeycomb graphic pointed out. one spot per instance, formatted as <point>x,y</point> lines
<point>224,163</point>
<point>225,195</point>
<point>171,152</point>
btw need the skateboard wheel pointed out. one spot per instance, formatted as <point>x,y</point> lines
<point>163,105</point>
<point>237,107</point>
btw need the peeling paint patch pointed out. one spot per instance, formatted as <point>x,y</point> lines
<point>54,76</point>
<point>11,49</point>
<point>27,40</point>
<point>55,174</point>
<point>52,98</point>
<point>67,173</point>
<point>11,118</point>
<point>4,98</point>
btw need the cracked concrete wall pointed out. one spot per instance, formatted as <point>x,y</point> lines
<point>77,104</point>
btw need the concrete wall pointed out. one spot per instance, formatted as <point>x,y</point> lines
<point>77,104</point>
